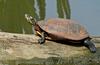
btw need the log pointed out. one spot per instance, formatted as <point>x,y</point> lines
<point>23,49</point>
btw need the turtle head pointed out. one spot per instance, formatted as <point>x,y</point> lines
<point>30,19</point>
<point>36,28</point>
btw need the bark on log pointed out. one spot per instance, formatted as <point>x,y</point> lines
<point>23,49</point>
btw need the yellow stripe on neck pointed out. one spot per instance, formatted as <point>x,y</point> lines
<point>38,32</point>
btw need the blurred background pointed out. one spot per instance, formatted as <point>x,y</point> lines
<point>12,19</point>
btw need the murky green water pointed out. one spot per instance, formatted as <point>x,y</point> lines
<point>12,13</point>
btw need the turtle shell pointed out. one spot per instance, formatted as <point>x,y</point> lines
<point>63,29</point>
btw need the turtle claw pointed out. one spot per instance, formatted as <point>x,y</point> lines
<point>92,49</point>
<point>41,41</point>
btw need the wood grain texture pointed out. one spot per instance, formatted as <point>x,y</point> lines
<point>25,48</point>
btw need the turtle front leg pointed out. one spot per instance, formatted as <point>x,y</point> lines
<point>90,45</point>
<point>42,38</point>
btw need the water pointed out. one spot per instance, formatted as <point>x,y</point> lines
<point>88,13</point>
<point>85,11</point>
<point>12,14</point>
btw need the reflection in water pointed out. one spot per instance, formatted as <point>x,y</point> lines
<point>63,9</point>
<point>12,13</point>
<point>41,6</point>
<point>39,10</point>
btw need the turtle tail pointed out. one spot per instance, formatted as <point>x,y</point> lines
<point>30,19</point>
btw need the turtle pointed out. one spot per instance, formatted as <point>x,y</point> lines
<point>60,29</point>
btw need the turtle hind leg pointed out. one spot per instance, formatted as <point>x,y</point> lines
<point>42,38</point>
<point>90,45</point>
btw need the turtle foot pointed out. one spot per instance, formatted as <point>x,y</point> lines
<point>90,46</point>
<point>92,49</point>
<point>41,41</point>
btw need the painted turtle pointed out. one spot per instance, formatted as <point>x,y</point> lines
<point>61,29</point>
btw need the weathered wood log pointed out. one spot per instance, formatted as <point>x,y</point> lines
<point>23,49</point>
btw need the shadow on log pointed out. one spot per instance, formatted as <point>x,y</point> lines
<point>23,49</point>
